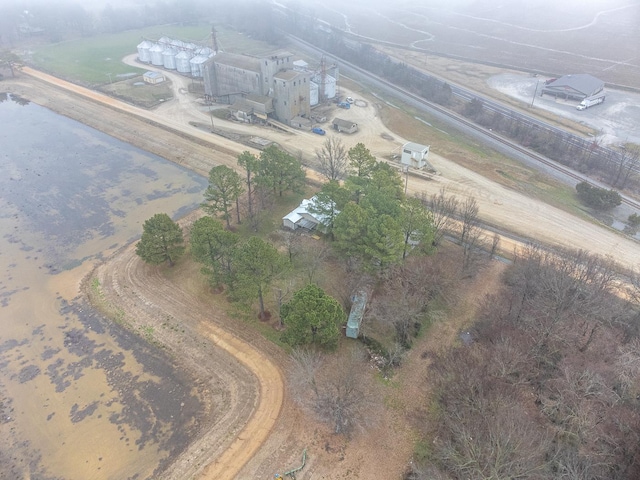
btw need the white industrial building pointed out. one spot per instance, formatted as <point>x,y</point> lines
<point>415,155</point>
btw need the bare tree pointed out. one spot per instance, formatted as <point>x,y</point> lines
<point>444,209</point>
<point>626,164</point>
<point>332,158</point>
<point>336,390</point>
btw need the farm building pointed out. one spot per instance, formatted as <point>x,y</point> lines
<point>252,108</point>
<point>415,155</point>
<point>229,77</point>
<point>153,77</point>
<point>359,303</point>
<point>346,126</point>
<point>301,217</point>
<point>576,87</point>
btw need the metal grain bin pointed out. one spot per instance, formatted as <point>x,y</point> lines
<point>156,55</point>
<point>182,62</point>
<point>169,58</point>
<point>143,51</point>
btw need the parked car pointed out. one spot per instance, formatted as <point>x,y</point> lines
<point>318,130</point>
<point>349,99</point>
<point>344,105</point>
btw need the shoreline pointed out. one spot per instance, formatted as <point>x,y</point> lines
<point>217,448</point>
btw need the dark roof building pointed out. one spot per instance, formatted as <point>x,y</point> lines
<point>577,86</point>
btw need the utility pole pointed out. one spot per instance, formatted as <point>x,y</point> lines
<point>535,93</point>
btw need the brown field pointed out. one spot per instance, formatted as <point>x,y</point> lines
<point>597,37</point>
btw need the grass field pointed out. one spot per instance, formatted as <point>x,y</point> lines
<point>90,60</point>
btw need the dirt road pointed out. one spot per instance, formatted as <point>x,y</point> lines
<point>145,293</point>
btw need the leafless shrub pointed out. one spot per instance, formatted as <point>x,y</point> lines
<point>338,392</point>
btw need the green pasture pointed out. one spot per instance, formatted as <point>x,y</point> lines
<point>90,60</point>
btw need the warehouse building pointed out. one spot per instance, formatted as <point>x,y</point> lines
<point>576,87</point>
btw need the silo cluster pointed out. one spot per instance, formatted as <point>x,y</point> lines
<point>172,54</point>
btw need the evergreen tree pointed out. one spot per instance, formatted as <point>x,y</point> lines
<point>161,241</point>
<point>224,189</point>
<point>312,317</point>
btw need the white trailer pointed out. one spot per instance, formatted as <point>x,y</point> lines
<point>591,101</point>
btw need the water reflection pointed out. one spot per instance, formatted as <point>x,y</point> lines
<point>80,397</point>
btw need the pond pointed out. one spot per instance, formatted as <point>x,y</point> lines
<point>80,397</point>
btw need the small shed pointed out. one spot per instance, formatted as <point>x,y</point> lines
<point>359,303</point>
<point>346,126</point>
<point>153,77</point>
<point>300,122</point>
<point>415,155</point>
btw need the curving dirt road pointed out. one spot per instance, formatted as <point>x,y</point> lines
<point>243,418</point>
<point>254,400</point>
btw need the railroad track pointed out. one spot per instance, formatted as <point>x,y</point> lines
<point>458,119</point>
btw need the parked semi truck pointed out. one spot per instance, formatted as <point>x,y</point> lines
<point>590,102</point>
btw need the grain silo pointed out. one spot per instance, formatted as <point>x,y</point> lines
<point>205,52</point>
<point>169,58</point>
<point>156,55</point>
<point>313,93</point>
<point>182,62</point>
<point>196,65</point>
<point>164,41</point>
<point>192,47</point>
<point>143,51</point>
<point>177,43</point>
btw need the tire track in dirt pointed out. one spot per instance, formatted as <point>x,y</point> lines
<point>254,385</point>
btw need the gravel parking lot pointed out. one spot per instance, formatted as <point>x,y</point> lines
<point>617,119</point>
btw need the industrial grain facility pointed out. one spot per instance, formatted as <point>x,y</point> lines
<point>231,78</point>
<point>576,87</point>
<point>256,87</point>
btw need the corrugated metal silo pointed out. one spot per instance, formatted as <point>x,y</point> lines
<point>143,51</point>
<point>205,52</point>
<point>329,86</point>
<point>313,93</point>
<point>156,55</point>
<point>182,62</point>
<point>196,65</point>
<point>177,43</point>
<point>192,47</point>
<point>169,58</point>
<point>165,41</point>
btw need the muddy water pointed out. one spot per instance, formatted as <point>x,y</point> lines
<point>80,398</point>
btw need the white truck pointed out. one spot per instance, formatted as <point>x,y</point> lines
<point>591,101</point>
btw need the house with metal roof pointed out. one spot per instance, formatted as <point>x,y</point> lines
<point>576,86</point>
<point>302,217</point>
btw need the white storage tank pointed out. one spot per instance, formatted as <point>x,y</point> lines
<point>177,43</point>
<point>169,58</point>
<point>192,47</point>
<point>164,41</point>
<point>183,64</point>
<point>196,65</point>
<point>329,87</point>
<point>205,52</point>
<point>313,93</point>
<point>143,51</point>
<point>156,55</point>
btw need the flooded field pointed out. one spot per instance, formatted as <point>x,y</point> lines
<point>80,397</point>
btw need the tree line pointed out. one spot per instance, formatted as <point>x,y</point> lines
<point>547,386</point>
